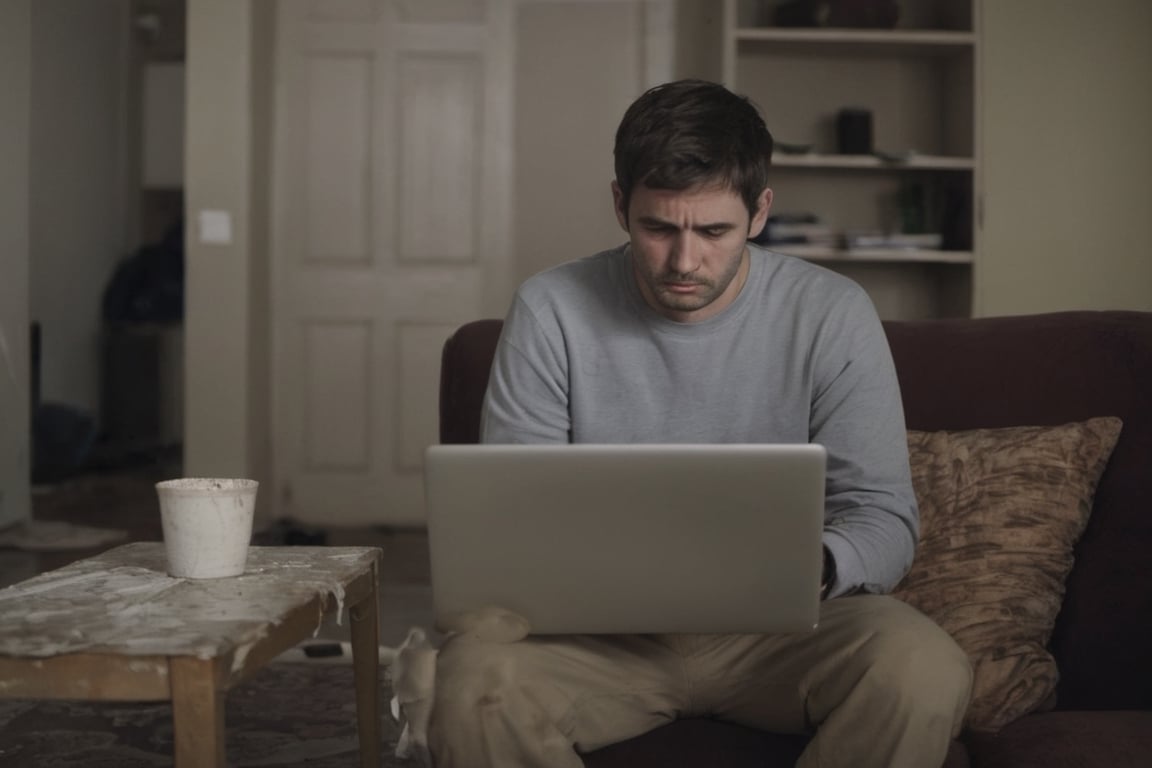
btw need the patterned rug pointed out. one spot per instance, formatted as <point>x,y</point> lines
<point>288,714</point>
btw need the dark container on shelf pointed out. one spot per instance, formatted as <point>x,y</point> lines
<point>854,131</point>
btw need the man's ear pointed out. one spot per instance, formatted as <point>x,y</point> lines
<point>763,205</point>
<point>618,204</point>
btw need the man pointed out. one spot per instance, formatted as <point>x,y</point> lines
<point>690,334</point>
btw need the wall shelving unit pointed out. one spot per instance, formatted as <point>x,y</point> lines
<point>919,81</point>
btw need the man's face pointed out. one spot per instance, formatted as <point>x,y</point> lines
<point>688,246</point>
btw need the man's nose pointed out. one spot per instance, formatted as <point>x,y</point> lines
<point>684,258</point>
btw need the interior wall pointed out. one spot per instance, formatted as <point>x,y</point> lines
<point>217,170</point>
<point>15,81</point>
<point>1067,156</point>
<point>260,357</point>
<point>699,30</point>
<point>226,325</point>
<point>568,104</point>
<point>79,59</point>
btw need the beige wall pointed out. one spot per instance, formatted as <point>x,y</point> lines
<point>15,77</point>
<point>260,317</point>
<point>567,106</point>
<point>1067,105</point>
<point>699,28</point>
<point>226,284</point>
<point>77,204</point>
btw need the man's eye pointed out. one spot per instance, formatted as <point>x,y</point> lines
<point>715,232</point>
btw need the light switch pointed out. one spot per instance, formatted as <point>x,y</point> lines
<point>215,227</point>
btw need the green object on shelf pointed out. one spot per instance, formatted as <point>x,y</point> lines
<point>911,202</point>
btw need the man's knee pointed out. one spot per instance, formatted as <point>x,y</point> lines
<point>920,666</point>
<point>899,696</point>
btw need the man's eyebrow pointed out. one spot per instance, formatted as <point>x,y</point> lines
<point>655,221</point>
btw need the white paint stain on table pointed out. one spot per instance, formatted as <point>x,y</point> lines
<point>124,602</point>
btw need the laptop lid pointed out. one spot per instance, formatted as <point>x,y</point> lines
<point>629,538</point>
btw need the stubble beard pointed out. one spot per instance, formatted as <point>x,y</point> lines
<point>712,289</point>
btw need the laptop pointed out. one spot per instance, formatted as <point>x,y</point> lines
<point>641,538</point>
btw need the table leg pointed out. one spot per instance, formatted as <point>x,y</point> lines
<point>366,668</point>
<point>197,712</point>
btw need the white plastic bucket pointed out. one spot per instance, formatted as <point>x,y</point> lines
<point>207,525</point>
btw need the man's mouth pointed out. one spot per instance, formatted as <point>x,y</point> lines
<point>681,287</point>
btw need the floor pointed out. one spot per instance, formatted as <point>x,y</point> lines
<point>125,500</point>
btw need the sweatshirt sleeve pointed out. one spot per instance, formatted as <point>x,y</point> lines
<point>527,396</point>
<point>871,519</point>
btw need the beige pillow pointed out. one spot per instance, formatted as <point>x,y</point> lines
<point>1000,511</point>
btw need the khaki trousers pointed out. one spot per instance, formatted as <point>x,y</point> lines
<point>878,683</point>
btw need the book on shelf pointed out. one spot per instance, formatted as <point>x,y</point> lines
<point>796,229</point>
<point>929,241</point>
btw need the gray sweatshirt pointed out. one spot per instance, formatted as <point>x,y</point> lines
<point>799,356</point>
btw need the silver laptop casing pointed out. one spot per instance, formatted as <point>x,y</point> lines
<point>629,538</point>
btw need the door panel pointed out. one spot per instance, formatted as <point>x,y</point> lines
<point>337,152</point>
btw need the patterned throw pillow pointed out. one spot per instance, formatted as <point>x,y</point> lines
<point>1000,512</point>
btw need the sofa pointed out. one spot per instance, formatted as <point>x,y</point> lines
<point>987,377</point>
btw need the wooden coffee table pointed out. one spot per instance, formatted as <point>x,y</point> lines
<point>117,627</point>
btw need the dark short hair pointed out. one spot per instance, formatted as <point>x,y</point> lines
<point>689,132</point>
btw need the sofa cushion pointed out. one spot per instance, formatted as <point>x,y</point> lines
<point>1001,510</point>
<point>700,743</point>
<point>704,743</point>
<point>1068,740</point>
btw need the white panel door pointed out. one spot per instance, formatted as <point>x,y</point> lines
<point>391,197</point>
<point>393,174</point>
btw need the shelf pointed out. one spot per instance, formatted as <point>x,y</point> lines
<point>915,162</point>
<point>825,40</point>
<point>920,81</point>
<point>861,255</point>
